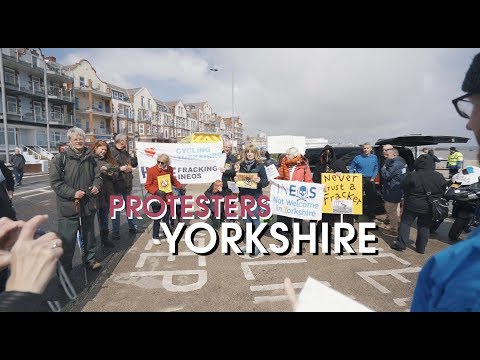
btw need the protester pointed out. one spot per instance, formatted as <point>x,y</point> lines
<point>416,185</point>
<point>75,178</point>
<point>294,167</point>
<point>268,160</point>
<point>327,164</point>
<point>109,170</point>
<point>216,190</point>
<point>393,171</point>
<point>122,186</point>
<point>449,279</point>
<point>251,164</point>
<point>227,169</point>
<point>32,263</point>
<point>367,165</point>
<point>18,161</point>
<point>152,186</point>
<point>434,157</point>
<point>6,208</point>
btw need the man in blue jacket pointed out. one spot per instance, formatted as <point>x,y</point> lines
<point>450,280</point>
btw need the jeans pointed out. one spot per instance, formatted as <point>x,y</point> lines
<point>18,175</point>
<point>116,221</point>
<point>423,229</point>
<point>103,219</point>
<point>256,223</point>
<point>156,223</point>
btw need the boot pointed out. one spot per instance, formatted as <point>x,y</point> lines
<point>104,238</point>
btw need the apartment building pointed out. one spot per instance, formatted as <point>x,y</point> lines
<point>165,124</point>
<point>93,102</point>
<point>39,102</point>
<point>122,113</point>
<point>145,112</point>
<point>181,124</point>
<point>237,129</point>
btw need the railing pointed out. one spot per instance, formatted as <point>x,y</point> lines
<point>44,153</point>
<point>35,154</point>
<point>60,93</point>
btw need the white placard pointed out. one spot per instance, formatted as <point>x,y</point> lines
<point>317,297</point>
<point>195,163</point>
<point>297,199</point>
<point>272,172</point>
<point>280,144</point>
<point>233,186</point>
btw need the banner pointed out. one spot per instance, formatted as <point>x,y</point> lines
<point>192,163</point>
<point>343,193</point>
<point>280,144</point>
<point>296,199</point>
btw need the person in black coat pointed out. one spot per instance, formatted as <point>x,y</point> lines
<point>328,163</point>
<point>416,206</point>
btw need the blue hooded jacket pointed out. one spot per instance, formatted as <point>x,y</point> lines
<point>450,280</point>
<point>393,172</point>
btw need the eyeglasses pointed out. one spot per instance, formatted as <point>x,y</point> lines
<point>387,149</point>
<point>161,162</point>
<point>463,106</point>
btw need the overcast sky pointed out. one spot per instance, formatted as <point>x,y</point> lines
<point>344,95</point>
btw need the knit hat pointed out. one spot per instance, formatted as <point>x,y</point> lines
<point>471,84</point>
<point>453,148</point>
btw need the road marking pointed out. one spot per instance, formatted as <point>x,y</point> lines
<point>367,276</point>
<point>170,257</point>
<point>33,190</point>
<point>371,258</point>
<point>248,272</point>
<point>167,281</point>
<point>402,301</point>
<point>40,193</point>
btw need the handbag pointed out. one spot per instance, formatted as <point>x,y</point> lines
<point>438,206</point>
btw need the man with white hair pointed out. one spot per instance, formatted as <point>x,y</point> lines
<point>75,178</point>
<point>18,162</point>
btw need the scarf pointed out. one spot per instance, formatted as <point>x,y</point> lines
<point>287,164</point>
<point>249,164</point>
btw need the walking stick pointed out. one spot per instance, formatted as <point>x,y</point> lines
<point>80,242</point>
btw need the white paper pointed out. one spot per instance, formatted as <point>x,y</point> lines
<point>272,172</point>
<point>232,186</point>
<point>317,297</point>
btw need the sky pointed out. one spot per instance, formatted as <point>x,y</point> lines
<point>343,95</point>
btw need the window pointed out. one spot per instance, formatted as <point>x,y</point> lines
<point>78,122</point>
<point>121,127</point>
<point>166,134</point>
<point>82,81</point>
<point>130,145</point>
<point>12,104</point>
<point>77,103</point>
<point>10,76</point>
<point>120,109</point>
<point>36,84</point>
<point>148,130</point>
<point>11,137</point>
<point>141,129</point>
<point>37,111</point>
<point>130,127</point>
<point>34,61</point>
<point>87,126</point>
<point>41,137</point>
<point>102,124</point>
<point>149,104</point>
<point>142,102</point>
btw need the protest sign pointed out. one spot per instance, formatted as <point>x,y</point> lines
<point>272,172</point>
<point>245,180</point>
<point>343,193</point>
<point>193,163</point>
<point>296,199</point>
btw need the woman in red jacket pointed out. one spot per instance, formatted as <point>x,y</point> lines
<point>294,167</point>
<point>163,168</point>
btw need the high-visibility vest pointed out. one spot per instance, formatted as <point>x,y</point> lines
<point>454,158</point>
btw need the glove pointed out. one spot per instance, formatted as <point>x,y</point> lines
<point>161,194</point>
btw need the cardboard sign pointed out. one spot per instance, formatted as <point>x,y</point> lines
<point>164,183</point>
<point>245,180</point>
<point>343,194</point>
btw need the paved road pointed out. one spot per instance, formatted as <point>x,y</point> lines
<point>140,276</point>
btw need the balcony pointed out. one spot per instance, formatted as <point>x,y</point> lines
<point>96,90</point>
<point>26,62</point>
<point>96,111</point>
<point>57,118</point>
<point>60,95</point>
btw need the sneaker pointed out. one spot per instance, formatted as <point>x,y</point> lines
<point>156,241</point>
<point>94,265</point>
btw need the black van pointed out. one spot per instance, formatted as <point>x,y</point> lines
<point>401,143</point>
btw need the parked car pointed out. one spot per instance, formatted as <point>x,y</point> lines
<point>407,147</point>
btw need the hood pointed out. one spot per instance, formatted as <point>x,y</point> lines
<point>423,162</point>
<point>321,157</point>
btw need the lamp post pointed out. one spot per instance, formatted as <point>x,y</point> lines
<point>233,98</point>
<point>4,106</point>
<point>45,84</point>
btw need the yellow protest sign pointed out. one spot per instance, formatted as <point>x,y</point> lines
<point>164,183</point>
<point>343,194</point>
